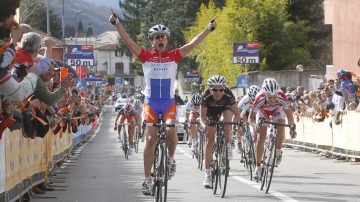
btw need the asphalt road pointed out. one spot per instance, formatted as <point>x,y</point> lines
<point>99,172</point>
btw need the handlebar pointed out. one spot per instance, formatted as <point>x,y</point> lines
<point>158,125</point>
<point>208,122</point>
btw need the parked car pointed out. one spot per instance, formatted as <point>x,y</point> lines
<point>180,118</point>
<point>120,103</point>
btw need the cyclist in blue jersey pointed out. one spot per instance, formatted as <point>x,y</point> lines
<point>347,87</point>
<point>160,68</point>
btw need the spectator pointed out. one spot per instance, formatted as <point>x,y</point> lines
<point>186,99</point>
<point>9,87</point>
<point>178,99</point>
<point>42,92</point>
<point>26,53</point>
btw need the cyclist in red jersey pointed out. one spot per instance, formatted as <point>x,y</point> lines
<point>160,69</point>
<point>271,102</point>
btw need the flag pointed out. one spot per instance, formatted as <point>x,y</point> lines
<point>80,70</point>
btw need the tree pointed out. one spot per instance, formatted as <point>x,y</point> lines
<point>32,12</point>
<point>320,35</point>
<point>132,23</point>
<point>69,31</point>
<point>80,30</point>
<point>282,43</point>
<point>89,32</point>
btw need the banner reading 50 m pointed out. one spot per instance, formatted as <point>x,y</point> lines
<point>246,53</point>
<point>80,55</point>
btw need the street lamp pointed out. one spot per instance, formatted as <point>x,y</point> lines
<point>86,32</point>
<point>75,13</point>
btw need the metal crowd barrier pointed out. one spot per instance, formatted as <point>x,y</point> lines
<point>24,162</point>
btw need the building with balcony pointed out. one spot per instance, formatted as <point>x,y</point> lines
<point>342,15</point>
<point>108,58</point>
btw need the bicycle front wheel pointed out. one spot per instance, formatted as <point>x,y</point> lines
<point>223,167</point>
<point>269,164</point>
<point>161,170</point>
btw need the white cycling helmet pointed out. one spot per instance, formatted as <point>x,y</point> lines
<point>216,80</point>
<point>290,96</point>
<point>158,29</point>
<point>253,90</point>
<point>196,99</point>
<point>137,102</point>
<point>270,86</point>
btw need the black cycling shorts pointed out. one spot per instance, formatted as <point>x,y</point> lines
<point>214,113</point>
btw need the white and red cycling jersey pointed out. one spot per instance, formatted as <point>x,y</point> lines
<point>261,104</point>
<point>160,70</point>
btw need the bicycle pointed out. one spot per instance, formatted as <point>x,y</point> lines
<point>248,150</point>
<point>160,165</point>
<point>220,165</point>
<point>269,157</point>
<point>124,146</point>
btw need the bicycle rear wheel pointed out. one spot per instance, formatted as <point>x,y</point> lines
<point>136,139</point>
<point>223,167</point>
<point>214,175</point>
<point>125,146</point>
<point>251,159</point>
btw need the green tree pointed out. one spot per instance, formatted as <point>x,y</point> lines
<point>69,31</point>
<point>80,29</point>
<point>283,43</point>
<point>320,35</point>
<point>89,32</point>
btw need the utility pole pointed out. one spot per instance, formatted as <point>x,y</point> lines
<point>47,18</point>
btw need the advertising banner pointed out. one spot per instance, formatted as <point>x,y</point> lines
<point>191,76</point>
<point>80,55</point>
<point>246,53</point>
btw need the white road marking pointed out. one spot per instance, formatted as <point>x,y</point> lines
<point>255,185</point>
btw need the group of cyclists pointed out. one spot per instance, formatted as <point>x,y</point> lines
<point>216,103</point>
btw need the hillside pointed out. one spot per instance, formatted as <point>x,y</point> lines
<point>95,14</point>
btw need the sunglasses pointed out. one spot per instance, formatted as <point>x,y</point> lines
<point>160,36</point>
<point>217,89</point>
<point>273,97</point>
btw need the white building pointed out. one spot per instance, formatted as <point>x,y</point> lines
<point>108,59</point>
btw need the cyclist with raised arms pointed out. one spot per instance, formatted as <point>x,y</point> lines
<point>244,107</point>
<point>192,113</point>
<point>160,68</point>
<point>271,102</point>
<point>126,113</point>
<point>217,101</point>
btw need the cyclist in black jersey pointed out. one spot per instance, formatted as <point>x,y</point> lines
<point>217,101</point>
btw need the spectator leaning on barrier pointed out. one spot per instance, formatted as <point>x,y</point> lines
<point>42,92</point>
<point>10,35</point>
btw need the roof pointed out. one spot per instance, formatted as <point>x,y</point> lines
<point>58,42</point>
<point>108,47</point>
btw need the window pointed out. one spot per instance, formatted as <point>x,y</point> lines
<point>119,68</point>
<point>118,53</point>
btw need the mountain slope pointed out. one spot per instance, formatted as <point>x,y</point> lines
<point>94,14</point>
